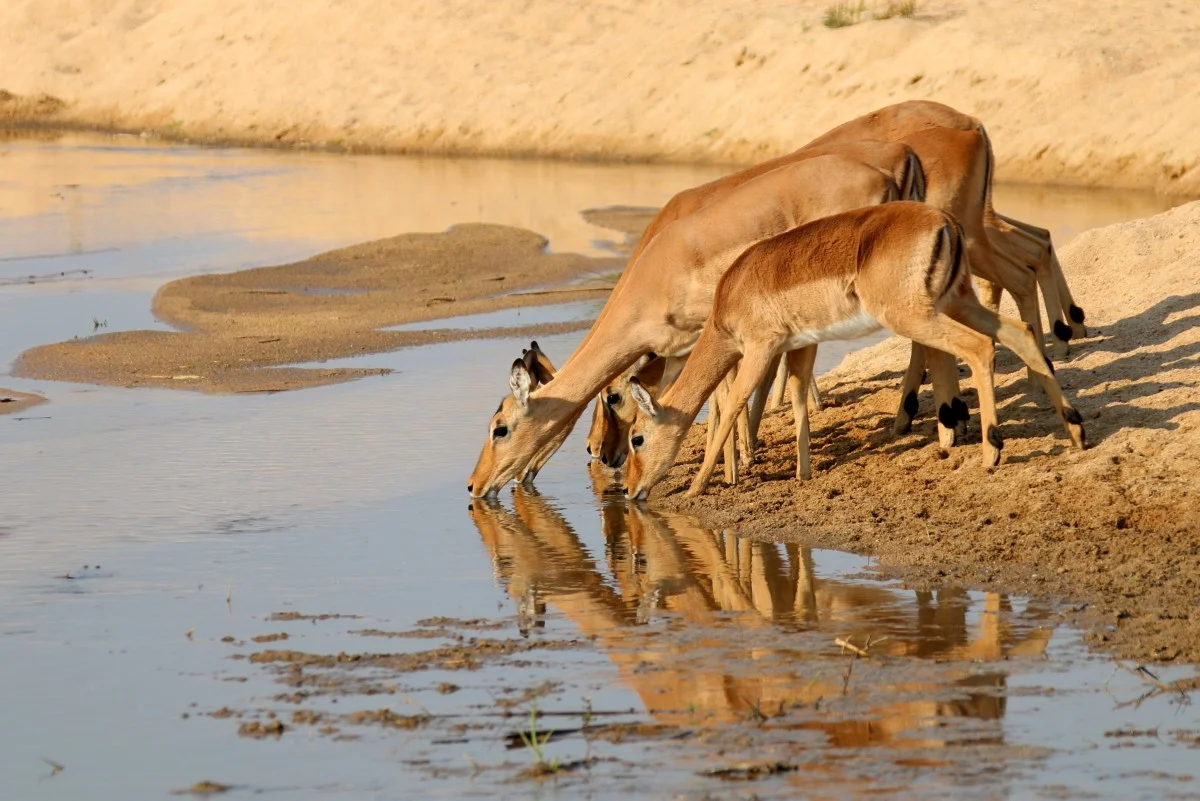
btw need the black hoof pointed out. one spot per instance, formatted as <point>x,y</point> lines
<point>1062,330</point>
<point>1076,314</point>
<point>961,412</point>
<point>910,404</point>
<point>946,416</point>
<point>994,438</point>
<point>1071,415</point>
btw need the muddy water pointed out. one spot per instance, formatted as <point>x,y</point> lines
<point>139,530</point>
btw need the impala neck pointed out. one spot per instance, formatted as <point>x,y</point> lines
<point>613,345</point>
<point>714,355</point>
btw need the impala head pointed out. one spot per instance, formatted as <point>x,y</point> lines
<point>654,440</point>
<point>511,436</point>
<point>615,410</point>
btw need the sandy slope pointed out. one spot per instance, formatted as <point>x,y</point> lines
<point>1116,526</point>
<point>1080,92</point>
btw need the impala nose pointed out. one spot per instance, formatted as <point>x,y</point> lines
<point>625,491</point>
<point>589,450</point>
<point>470,488</point>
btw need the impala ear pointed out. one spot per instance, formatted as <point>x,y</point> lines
<point>520,381</point>
<point>641,396</point>
<point>641,363</point>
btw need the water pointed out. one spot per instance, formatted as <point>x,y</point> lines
<point>138,529</point>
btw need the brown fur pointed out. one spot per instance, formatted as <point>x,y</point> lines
<point>903,264</point>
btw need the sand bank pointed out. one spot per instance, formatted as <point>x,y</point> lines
<point>240,331</point>
<point>1072,92</point>
<point>1116,527</point>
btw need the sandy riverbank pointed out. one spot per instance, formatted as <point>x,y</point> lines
<point>1116,527</point>
<point>1072,92</point>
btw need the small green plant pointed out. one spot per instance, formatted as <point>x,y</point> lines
<point>534,742</point>
<point>97,323</point>
<point>906,9</point>
<point>843,15</point>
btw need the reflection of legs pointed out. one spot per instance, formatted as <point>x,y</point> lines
<point>806,587</point>
<point>756,362</point>
<point>800,365</point>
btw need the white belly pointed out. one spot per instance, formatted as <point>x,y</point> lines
<point>853,327</point>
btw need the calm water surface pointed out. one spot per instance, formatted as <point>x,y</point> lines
<point>138,529</point>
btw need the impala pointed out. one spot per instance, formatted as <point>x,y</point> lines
<point>666,295</point>
<point>900,265</point>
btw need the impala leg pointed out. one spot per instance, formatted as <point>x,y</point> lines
<point>814,394</point>
<point>1018,279</point>
<point>1017,336</point>
<point>991,292</point>
<point>1008,247</point>
<point>779,387</point>
<point>1075,314</point>
<point>800,365</point>
<point>756,363</point>
<point>1042,238</point>
<point>744,443</point>
<point>729,411</point>
<point>714,419</point>
<point>908,391</point>
<point>940,332</point>
<point>951,411</point>
<point>759,402</point>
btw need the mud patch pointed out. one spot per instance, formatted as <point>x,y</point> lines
<point>237,330</point>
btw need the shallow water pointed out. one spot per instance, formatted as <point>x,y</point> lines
<point>139,528</point>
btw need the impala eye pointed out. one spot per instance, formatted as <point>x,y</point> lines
<point>613,399</point>
<point>637,441</point>
<point>500,431</point>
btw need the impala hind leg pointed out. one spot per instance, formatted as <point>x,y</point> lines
<point>1037,256</point>
<point>978,351</point>
<point>800,365</point>
<point>756,363</point>
<point>1017,337</point>
<point>913,377</point>
<point>1018,279</point>
<point>1043,239</point>
<point>951,410</point>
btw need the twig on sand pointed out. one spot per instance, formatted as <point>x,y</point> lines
<point>55,767</point>
<point>849,646</point>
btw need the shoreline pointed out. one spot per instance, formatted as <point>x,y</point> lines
<point>725,84</point>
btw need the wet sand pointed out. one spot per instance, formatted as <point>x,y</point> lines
<point>12,402</point>
<point>1115,528</point>
<point>244,331</point>
<point>1072,92</point>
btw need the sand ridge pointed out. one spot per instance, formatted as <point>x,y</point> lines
<point>1116,526</point>
<point>243,331</point>
<point>1071,91</point>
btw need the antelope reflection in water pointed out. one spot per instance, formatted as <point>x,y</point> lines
<point>740,609</point>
